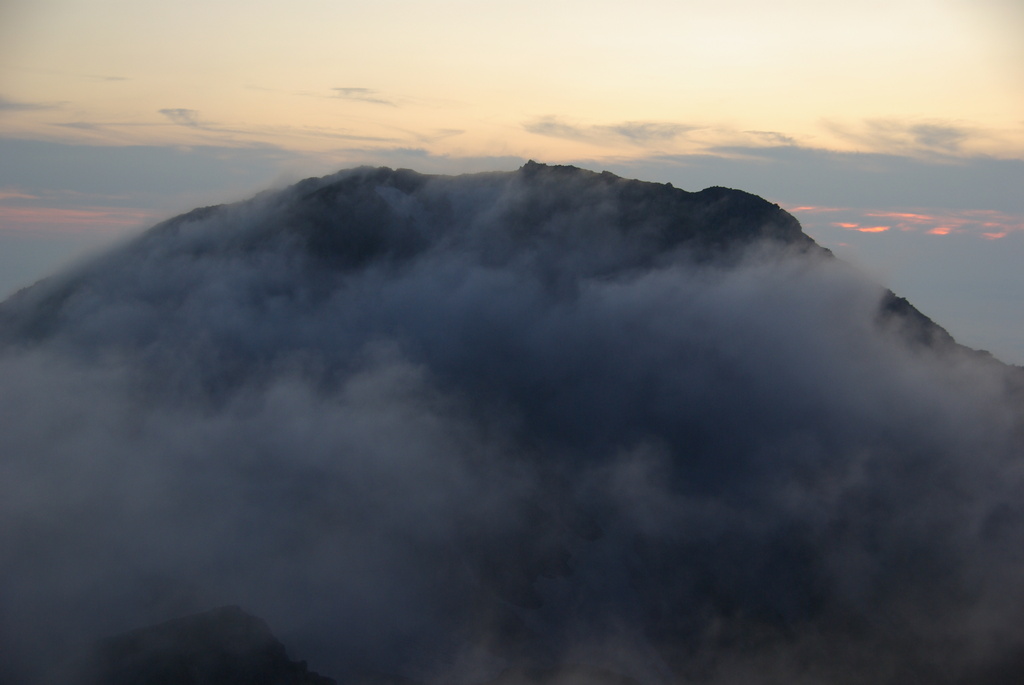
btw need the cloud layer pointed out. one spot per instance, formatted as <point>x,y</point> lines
<point>439,426</point>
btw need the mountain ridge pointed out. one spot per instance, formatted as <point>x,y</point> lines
<point>452,427</point>
<point>711,222</point>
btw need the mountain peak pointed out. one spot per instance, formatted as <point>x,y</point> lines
<point>224,646</point>
<point>546,426</point>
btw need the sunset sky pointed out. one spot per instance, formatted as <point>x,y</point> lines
<point>893,130</point>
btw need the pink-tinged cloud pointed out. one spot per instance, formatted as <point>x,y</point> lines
<point>909,221</point>
<point>906,216</point>
<point>858,227</point>
<point>815,209</point>
<point>16,195</point>
<point>83,219</point>
<point>983,223</point>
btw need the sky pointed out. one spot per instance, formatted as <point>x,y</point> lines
<point>893,130</point>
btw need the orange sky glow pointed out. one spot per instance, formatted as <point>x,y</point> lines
<point>987,224</point>
<point>109,220</point>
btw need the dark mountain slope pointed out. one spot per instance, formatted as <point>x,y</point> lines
<point>223,646</point>
<point>547,423</point>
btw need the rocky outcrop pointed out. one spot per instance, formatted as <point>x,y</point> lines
<point>224,646</point>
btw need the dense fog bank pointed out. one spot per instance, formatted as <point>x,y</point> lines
<point>441,426</point>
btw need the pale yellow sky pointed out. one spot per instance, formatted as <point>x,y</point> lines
<point>553,80</point>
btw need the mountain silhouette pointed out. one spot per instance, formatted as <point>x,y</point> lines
<point>547,426</point>
<point>223,646</point>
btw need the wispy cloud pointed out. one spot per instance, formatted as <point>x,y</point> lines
<point>434,135</point>
<point>221,133</point>
<point>74,74</point>
<point>644,132</point>
<point>8,105</point>
<point>182,117</point>
<point>81,125</point>
<point>369,96</point>
<point>321,132</point>
<point>772,137</point>
<point>363,95</point>
<point>82,219</point>
<point>983,223</point>
<point>986,223</point>
<point>948,138</point>
<point>14,194</point>
<point>906,137</point>
<point>640,133</point>
<point>552,127</point>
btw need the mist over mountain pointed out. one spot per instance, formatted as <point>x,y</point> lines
<point>473,428</point>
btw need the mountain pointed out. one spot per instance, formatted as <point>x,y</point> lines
<point>369,217</point>
<point>223,646</point>
<point>542,426</point>
<point>375,217</point>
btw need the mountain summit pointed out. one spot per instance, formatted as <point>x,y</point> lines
<point>542,426</point>
<point>572,222</point>
<point>566,223</point>
<point>223,646</point>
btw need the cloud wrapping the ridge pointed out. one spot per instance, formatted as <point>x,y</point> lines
<point>437,427</point>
